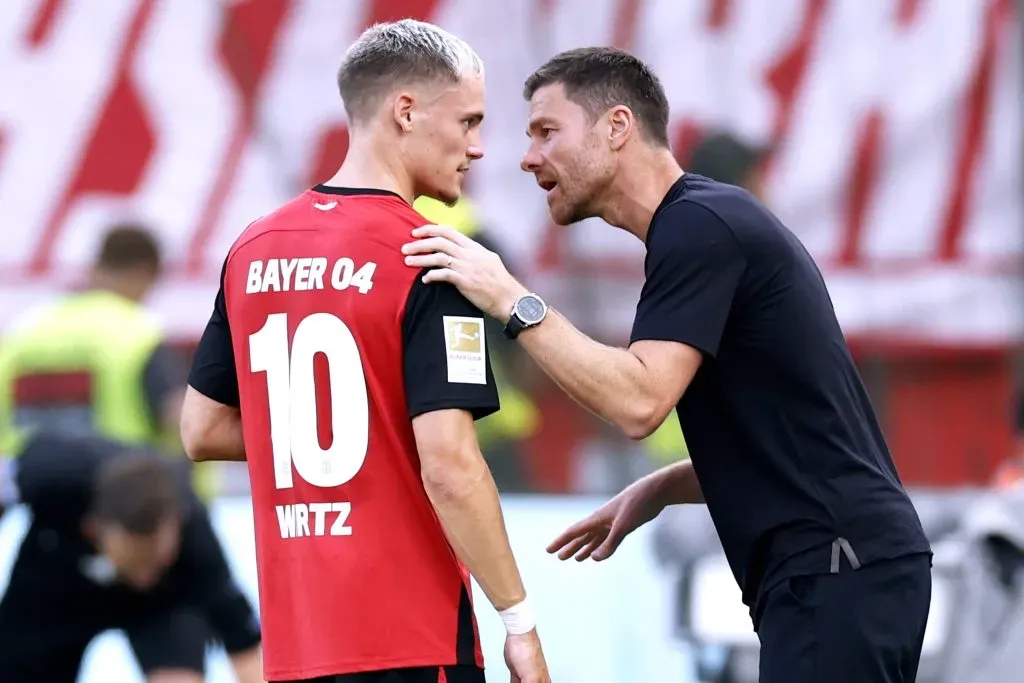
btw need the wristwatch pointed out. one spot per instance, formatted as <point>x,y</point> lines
<point>527,311</point>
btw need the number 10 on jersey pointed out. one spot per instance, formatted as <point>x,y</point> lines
<point>291,390</point>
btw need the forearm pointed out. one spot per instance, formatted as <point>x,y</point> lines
<point>678,484</point>
<point>467,505</point>
<point>248,665</point>
<point>221,442</point>
<point>170,411</point>
<point>610,382</point>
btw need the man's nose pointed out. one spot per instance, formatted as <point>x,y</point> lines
<point>531,161</point>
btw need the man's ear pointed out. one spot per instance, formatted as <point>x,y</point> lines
<point>621,126</point>
<point>404,105</point>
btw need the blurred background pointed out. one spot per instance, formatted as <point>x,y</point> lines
<point>886,133</point>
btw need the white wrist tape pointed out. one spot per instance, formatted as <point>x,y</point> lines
<point>519,619</point>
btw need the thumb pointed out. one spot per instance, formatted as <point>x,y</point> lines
<point>620,529</point>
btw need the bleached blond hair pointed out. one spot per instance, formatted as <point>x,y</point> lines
<point>399,52</point>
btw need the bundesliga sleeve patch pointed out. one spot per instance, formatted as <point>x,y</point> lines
<point>467,350</point>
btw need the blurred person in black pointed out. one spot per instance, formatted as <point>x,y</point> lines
<point>736,331</point>
<point>117,540</point>
<point>726,158</point>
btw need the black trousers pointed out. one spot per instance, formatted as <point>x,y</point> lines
<point>863,626</point>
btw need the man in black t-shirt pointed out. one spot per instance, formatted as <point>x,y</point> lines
<point>735,330</point>
<point>117,541</point>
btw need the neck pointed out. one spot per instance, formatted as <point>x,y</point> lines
<point>373,162</point>
<point>641,186</point>
<point>122,286</point>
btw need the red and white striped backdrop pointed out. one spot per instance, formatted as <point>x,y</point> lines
<point>897,124</point>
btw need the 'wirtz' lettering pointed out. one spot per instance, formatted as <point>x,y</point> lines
<point>294,520</point>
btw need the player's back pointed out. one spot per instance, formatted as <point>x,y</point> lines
<point>354,570</point>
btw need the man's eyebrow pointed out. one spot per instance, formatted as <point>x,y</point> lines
<point>538,122</point>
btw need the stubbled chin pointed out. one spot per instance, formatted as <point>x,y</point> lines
<point>559,216</point>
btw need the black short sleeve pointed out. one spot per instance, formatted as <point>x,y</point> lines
<point>693,267</point>
<point>203,571</point>
<point>446,362</point>
<point>213,366</point>
<point>162,376</point>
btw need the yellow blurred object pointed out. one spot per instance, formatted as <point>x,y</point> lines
<point>462,216</point>
<point>518,418</point>
<point>667,444</point>
<point>104,337</point>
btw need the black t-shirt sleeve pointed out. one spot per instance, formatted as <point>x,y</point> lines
<point>162,376</point>
<point>213,365</point>
<point>204,571</point>
<point>446,362</point>
<point>694,267</point>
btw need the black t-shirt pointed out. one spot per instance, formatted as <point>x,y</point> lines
<point>425,358</point>
<point>163,375</point>
<point>781,432</point>
<point>58,568</point>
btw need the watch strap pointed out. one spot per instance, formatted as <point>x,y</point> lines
<point>514,326</point>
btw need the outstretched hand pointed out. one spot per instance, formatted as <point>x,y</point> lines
<point>477,272</point>
<point>600,534</point>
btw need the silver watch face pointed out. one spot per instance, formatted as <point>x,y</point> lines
<point>530,309</point>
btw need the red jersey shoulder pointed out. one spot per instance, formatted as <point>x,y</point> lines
<point>348,240</point>
<point>280,217</point>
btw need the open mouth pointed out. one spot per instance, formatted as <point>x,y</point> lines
<point>547,185</point>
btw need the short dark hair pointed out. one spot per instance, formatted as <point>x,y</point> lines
<point>129,245</point>
<point>136,491</point>
<point>599,78</point>
<point>726,158</point>
<point>405,51</point>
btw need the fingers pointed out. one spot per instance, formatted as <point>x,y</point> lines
<point>575,545</point>
<point>444,231</point>
<point>581,540</point>
<point>578,529</point>
<point>432,245</point>
<point>438,260</point>
<point>443,275</point>
<point>611,543</point>
<point>594,542</point>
